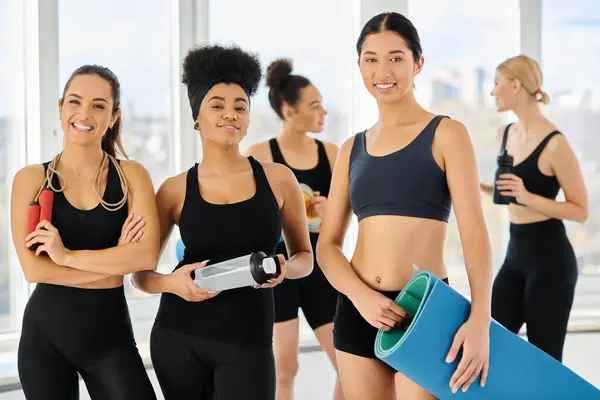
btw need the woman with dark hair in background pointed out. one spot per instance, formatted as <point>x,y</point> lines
<point>299,105</point>
<point>208,345</point>
<point>77,320</point>
<point>400,178</point>
<point>536,282</point>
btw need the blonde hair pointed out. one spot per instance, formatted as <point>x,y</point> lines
<point>528,72</point>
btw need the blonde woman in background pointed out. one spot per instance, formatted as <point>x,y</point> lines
<point>536,282</point>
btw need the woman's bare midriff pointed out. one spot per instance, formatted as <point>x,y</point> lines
<point>108,283</point>
<point>388,246</point>
<point>524,215</point>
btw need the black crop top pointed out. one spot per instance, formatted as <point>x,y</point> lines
<point>533,179</point>
<point>94,229</point>
<point>407,182</point>
<point>317,179</point>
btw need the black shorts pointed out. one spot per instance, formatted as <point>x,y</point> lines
<point>314,294</point>
<point>351,332</point>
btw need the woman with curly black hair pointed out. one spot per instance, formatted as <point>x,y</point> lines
<point>208,345</point>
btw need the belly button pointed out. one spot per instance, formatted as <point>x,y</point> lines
<point>378,279</point>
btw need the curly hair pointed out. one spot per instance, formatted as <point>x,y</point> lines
<point>209,65</point>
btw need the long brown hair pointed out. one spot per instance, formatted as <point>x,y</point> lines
<point>111,142</point>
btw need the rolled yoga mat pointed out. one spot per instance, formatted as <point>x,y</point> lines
<point>517,370</point>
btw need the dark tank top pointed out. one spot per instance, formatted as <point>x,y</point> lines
<point>94,229</point>
<point>533,179</point>
<point>407,182</point>
<point>219,232</point>
<point>317,179</point>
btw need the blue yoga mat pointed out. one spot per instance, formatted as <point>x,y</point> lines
<point>518,370</point>
<point>179,249</point>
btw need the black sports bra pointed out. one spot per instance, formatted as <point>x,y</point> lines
<point>533,179</point>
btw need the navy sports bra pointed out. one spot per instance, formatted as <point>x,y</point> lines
<point>407,182</point>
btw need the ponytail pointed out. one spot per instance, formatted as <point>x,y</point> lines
<point>543,98</point>
<point>111,142</point>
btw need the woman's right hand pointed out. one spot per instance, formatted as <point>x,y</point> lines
<point>181,284</point>
<point>378,310</point>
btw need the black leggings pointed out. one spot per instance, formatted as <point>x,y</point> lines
<point>536,284</point>
<point>190,367</point>
<point>67,331</point>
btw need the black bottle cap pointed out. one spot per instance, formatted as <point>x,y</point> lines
<point>257,269</point>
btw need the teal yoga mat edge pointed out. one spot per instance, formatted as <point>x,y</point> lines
<point>432,282</point>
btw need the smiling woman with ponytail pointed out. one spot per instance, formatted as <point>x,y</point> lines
<point>77,321</point>
<point>111,141</point>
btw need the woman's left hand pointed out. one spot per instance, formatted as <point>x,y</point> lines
<point>512,185</point>
<point>275,281</point>
<point>131,231</point>
<point>47,235</point>
<point>474,338</point>
<point>318,204</point>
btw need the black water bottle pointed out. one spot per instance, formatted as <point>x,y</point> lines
<point>504,166</point>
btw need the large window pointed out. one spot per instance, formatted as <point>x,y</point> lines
<point>462,45</point>
<point>570,61</point>
<point>12,136</point>
<point>133,39</point>
<point>317,36</point>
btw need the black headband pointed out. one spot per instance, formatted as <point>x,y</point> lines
<point>197,91</point>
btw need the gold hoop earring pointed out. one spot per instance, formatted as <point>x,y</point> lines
<point>196,126</point>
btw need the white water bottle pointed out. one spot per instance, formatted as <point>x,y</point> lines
<point>249,270</point>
